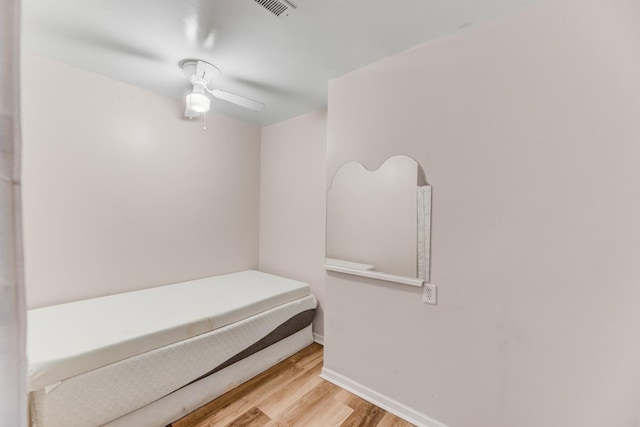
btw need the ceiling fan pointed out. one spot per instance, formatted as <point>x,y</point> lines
<point>201,74</point>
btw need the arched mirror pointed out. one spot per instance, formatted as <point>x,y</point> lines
<point>378,222</point>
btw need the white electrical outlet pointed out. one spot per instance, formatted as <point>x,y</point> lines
<point>429,293</point>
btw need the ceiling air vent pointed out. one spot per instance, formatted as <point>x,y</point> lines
<point>279,8</point>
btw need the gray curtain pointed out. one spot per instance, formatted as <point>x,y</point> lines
<point>13,409</point>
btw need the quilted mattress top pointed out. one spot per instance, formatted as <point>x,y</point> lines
<point>68,339</point>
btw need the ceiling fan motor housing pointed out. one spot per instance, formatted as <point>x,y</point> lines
<point>199,72</point>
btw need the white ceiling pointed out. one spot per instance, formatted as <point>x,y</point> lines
<point>284,62</point>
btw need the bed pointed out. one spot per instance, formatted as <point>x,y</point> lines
<point>148,357</point>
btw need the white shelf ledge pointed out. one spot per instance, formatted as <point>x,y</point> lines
<point>375,275</point>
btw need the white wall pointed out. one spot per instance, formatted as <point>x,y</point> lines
<point>292,202</point>
<point>528,130</point>
<point>121,193</point>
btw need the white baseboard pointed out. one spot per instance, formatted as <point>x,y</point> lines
<point>380,400</point>
<point>318,338</point>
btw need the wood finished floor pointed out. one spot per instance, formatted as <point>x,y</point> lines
<point>290,394</point>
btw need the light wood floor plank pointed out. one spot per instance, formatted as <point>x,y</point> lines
<point>286,397</point>
<point>364,415</point>
<point>309,351</point>
<point>234,402</point>
<point>290,394</point>
<point>390,420</point>
<point>309,406</point>
<point>254,417</point>
<point>351,400</point>
<point>310,361</point>
<point>248,397</point>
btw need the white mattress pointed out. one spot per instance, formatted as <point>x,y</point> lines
<point>107,393</point>
<point>188,399</point>
<point>69,339</point>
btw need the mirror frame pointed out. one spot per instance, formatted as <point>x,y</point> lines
<point>423,237</point>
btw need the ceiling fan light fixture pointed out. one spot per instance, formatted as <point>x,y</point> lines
<point>200,74</point>
<point>198,102</point>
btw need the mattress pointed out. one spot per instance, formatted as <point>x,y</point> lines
<point>109,392</point>
<point>117,327</point>
<point>186,400</point>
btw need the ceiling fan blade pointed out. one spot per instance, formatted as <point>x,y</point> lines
<point>238,100</point>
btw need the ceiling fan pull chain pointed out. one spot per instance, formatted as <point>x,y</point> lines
<point>204,126</point>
